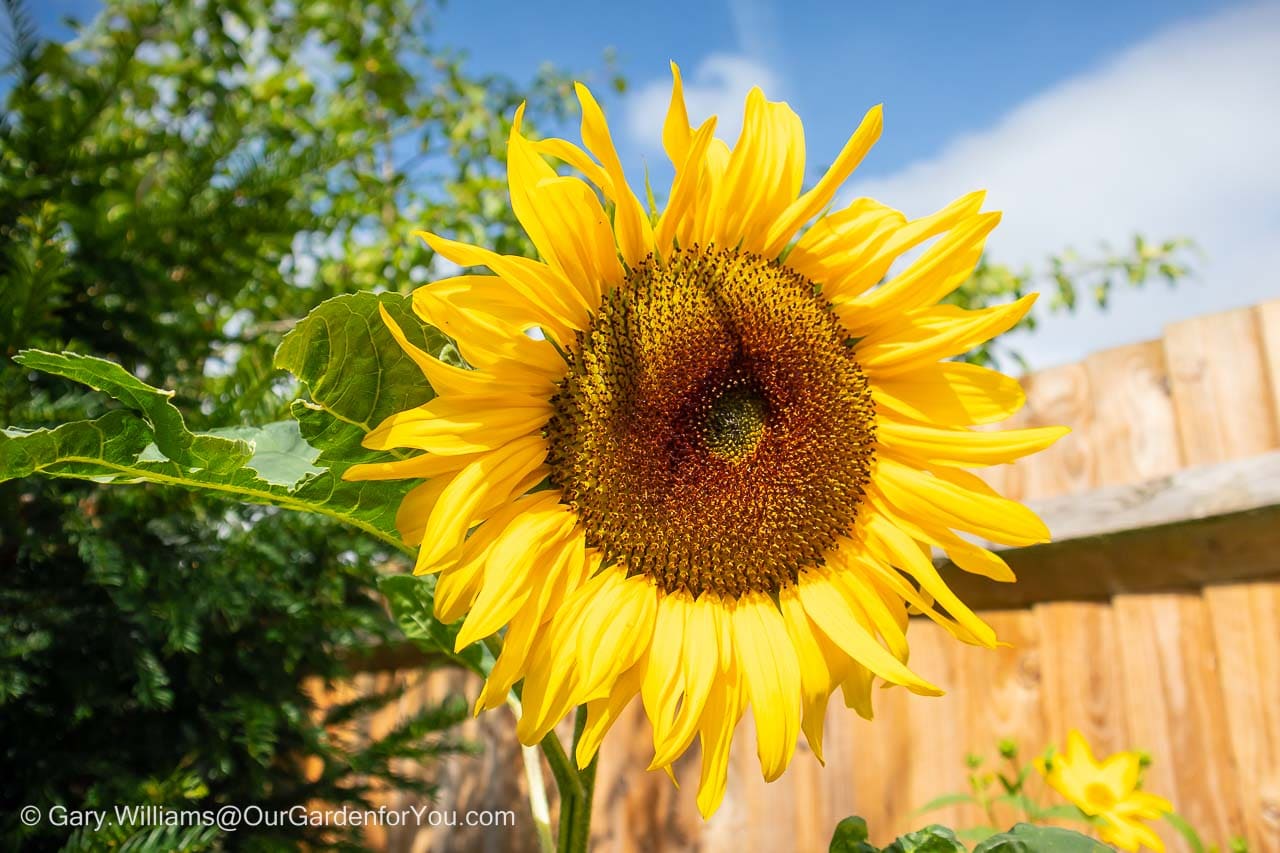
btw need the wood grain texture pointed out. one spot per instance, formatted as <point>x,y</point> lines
<point>1221,388</point>
<point>1175,710</point>
<point>1000,691</point>
<point>1080,682</point>
<point>1134,433</point>
<point>913,751</point>
<point>1269,326</point>
<point>1058,395</point>
<point>1245,622</point>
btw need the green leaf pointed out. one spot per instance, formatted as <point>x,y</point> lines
<point>280,455</point>
<point>851,837</point>
<point>411,600</point>
<point>1187,831</point>
<point>271,465</point>
<point>1065,811</point>
<point>171,435</point>
<point>944,801</point>
<point>931,839</point>
<point>1025,838</point>
<point>351,365</point>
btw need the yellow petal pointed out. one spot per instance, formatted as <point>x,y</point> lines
<point>510,565</point>
<point>480,314</point>
<point>556,304</point>
<point>677,218</point>
<point>724,709</point>
<point>634,233</point>
<point>661,687</point>
<point>452,426</point>
<point>699,664</point>
<point>772,677</point>
<point>816,681</point>
<point>422,466</point>
<point>843,251</point>
<point>966,555</point>
<point>964,448</point>
<point>853,249</point>
<point>940,270</point>
<point>831,614</point>
<point>898,549</point>
<point>764,174</point>
<point>938,497</point>
<point>604,712</point>
<point>416,507</point>
<point>613,632</point>
<point>563,219</point>
<point>931,334</point>
<point>808,205</point>
<point>676,130</point>
<point>482,486</point>
<point>951,393</point>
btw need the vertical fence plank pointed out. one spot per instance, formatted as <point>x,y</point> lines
<point>1221,390</point>
<point>1000,691</point>
<point>913,750</point>
<point>1058,395</point>
<point>1135,429</point>
<point>1175,709</point>
<point>1080,681</point>
<point>1269,323</point>
<point>631,803</point>
<point>1246,626</point>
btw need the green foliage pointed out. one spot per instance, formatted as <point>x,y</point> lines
<point>409,598</point>
<point>1004,791</point>
<point>121,447</point>
<point>1025,838</point>
<point>851,837</point>
<point>177,186</point>
<point>1065,276</point>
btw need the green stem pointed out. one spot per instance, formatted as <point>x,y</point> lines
<point>575,788</point>
<point>575,800</point>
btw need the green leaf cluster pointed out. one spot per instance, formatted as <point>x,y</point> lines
<point>851,837</point>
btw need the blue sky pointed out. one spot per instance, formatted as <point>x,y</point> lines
<point>940,68</point>
<point>1087,122</point>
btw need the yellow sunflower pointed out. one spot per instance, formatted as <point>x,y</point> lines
<point>1109,791</point>
<point>703,456</point>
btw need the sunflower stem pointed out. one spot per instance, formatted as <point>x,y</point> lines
<point>575,801</point>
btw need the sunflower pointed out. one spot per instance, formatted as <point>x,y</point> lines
<point>703,456</point>
<point>1109,791</point>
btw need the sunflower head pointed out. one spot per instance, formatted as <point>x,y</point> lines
<point>714,479</point>
<point>714,430</point>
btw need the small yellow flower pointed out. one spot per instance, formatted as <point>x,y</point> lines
<point>1109,791</point>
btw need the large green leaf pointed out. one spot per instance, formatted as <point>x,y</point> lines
<point>355,374</point>
<point>850,836</point>
<point>931,839</point>
<point>1025,838</point>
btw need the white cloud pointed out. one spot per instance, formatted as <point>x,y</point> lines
<point>1179,135</point>
<point>717,86</point>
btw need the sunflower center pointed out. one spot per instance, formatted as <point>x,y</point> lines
<point>714,430</point>
<point>734,424</point>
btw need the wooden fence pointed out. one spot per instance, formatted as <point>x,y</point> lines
<point>1154,624</point>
